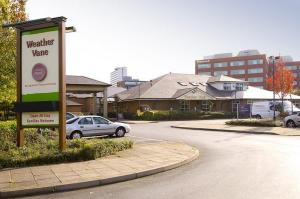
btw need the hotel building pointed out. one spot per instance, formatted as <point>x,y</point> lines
<point>247,65</point>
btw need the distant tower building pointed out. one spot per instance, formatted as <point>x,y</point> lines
<point>117,75</point>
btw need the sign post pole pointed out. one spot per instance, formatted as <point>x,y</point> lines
<point>20,130</point>
<point>62,87</point>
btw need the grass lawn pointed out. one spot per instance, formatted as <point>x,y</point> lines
<point>42,148</point>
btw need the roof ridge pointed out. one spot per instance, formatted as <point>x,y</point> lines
<point>153,83</point>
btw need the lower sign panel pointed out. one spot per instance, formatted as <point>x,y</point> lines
<point>40,118</point>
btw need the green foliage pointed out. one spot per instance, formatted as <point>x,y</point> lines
<point>254,122</point>
<point>42,148</point>
<point>176,115</point>
<point>283,114</point>
<point>11,11</point>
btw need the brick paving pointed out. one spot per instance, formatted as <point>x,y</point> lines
<point>145,157</point>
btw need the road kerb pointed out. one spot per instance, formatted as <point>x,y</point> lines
<point>118,179</point>
<point>225,130</point>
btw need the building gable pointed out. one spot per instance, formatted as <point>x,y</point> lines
<point>195,94</point>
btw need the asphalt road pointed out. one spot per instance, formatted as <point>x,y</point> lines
<point>230,166</point>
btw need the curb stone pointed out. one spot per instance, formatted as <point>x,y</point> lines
<point>225,130</point>
<point>139,122</point>
<point>99,182</point>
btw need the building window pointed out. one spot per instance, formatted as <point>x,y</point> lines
<point>255,61</point>
<point>249,101</point>
<point>239,86</point>
<point>182,83</point>
<point>204,65</point>
<point>205,73</point>
<point>227,86</point>
<point>205,105</point>
<point>221,64</point>
<point>194,83</point>
<point>237,72</point>
<point>255,79</point>
<point>292,67</point>
<point>255,70</point>
<point>184,105</point>
<point>219,73</point>
<point>237,63</point>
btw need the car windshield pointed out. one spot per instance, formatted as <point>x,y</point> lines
<point>69,116</point>
<point>71,121</point>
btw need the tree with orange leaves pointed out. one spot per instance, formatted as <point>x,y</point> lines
<point>283,81</point>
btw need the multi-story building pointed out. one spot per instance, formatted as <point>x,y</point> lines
<point>293,66</point>
<point>129,83</point>
<point>248,65</point>
<point>118,75</point>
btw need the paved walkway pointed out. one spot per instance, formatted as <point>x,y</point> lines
<point>218,126</point>
<point>144,159</point>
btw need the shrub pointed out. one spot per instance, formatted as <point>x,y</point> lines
<point>254,122</point>
<point>42,148</point>
<point>179,115</point>
<point>112,114</point>
<point>147,115</point>
<point>283,114</point>
<point>130,116</point>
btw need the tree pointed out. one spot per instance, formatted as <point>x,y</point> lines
<point>283,81</point>
<point>11,11</point>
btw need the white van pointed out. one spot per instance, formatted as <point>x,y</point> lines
<point>265,109</point>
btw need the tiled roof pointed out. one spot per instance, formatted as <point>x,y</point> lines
<point>72,103</point>
<point>82,80</point>
<point>174,85</point>
<point>170,86</point>
<point>223,78</point>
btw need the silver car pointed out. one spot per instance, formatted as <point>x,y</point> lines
<point>292,121</point>
<point>90,125</point>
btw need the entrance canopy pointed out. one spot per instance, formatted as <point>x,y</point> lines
<point>85,85</point>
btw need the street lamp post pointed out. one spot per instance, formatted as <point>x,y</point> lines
<point>235,101</point>
<point>274,116</point>
<point>273,71</point>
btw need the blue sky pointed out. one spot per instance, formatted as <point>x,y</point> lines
<point>154,37</point>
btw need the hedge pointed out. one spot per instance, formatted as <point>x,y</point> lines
<point>42,148</point>
<point>254,122</point>
<point>175,115</point>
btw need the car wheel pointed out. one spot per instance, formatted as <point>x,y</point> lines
<point>258,117</point>
<point>290,124</point>
<point>76,135</point>
<point>120,132</point>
